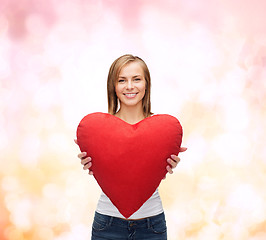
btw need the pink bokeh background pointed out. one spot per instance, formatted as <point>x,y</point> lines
<point>208,66</point>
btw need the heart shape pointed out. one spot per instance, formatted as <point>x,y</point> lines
<point>129,161</point>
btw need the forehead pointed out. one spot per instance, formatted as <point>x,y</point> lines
<point>132,68</point>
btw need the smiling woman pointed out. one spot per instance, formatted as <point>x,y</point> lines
<point>129,85</point>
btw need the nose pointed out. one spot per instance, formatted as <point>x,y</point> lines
<point>129,85</point>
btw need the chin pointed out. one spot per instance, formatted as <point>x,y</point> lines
<point>131,103</point>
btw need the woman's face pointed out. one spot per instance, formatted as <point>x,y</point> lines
<point>131,85</point>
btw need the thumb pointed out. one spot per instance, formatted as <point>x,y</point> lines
<point>183,149</point>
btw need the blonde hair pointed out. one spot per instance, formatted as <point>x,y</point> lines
<point>114,71</point>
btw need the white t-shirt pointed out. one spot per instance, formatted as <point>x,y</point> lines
<point>153,206</point>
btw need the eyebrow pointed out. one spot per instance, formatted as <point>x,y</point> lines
<point>133,76</point>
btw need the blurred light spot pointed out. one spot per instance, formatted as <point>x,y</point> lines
<point>45,96</point>
<point>95,10</point>
<point>13,232</point>
<point>58,143</point>
<point>32,125</point>
<point>78,231</point>
<point>63,215</point>
<point>199,148</point>
<point>36,63</point>
<point>209,93</point>
<point>233,82</point>
<point>54,51</point>
<point>35,25</point>
<point>30,82</point>
<point>73,188</point>
<point>195,216</point>
<point>3,136</point>
<point>11,200</point>
<point>235,114</point>
<point>4,68</point>
<point>51,191</point>
<point>30,151</point>
<point>21,214</point>
<point>19,60</point>
<point>207,184</point>
<point>244,198</point>
<point>3,25</point>
<point>49,121</point>
<point>46,214</point>
<point>10,184</point>
<point>232,148</point>
<point>43,233</point>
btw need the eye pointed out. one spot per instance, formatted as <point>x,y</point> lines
<point>121,80</point>
<point>137,79</point>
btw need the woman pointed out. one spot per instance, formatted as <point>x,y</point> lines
<point>128,88</point>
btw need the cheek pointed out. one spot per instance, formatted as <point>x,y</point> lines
<point>143,91</point>
<point>144,87</point>
<point>117,89</point>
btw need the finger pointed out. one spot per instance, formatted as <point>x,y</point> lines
<point>172,162</point>
<point>85,160</point>
<point>169,169</point>
<point>87,166</point>
<point>175,158</point>
<point>76,141</point>
<point>90,172</point>
<point>183,149</point>
<point>82,155</point>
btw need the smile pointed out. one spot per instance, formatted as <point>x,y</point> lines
<point>130,95</point>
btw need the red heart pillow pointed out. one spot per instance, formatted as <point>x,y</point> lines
<point>129,161</point>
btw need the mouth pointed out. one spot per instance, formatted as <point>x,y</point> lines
<point>130,95</point>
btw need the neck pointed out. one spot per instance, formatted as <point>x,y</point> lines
<point>130,115</point>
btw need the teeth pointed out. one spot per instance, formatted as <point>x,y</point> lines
<point>130,94</point>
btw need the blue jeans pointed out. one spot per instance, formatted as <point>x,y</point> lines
<point>106,227</point>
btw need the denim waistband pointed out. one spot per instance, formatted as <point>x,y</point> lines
<point>129,223</point>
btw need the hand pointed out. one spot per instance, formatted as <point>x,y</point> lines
<point>85,161</point>
<point>173,161</point>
